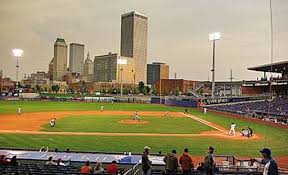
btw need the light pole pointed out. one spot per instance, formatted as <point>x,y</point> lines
<point>121,62</point>
<point>17,53</point>
<point>213,37</point>
<point>133,81</point>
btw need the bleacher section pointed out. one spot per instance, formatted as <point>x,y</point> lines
<point>277,109</point>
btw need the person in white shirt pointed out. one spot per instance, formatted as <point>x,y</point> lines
<point>205,110</point>
<point>19,111</point>
<point>232,129</point>
<point>102,108</point>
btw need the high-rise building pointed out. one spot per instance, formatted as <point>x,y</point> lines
<point>134,28</point>
<point>76,58</point>
<point>50,70</point>
<point>60,59</point>
<point>106,69</point>
<point>88,67</point>
<point>157,71</point>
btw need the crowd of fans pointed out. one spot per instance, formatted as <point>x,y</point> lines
<point>174,164</point>
<point>275,111</point>
<point>184,164</point>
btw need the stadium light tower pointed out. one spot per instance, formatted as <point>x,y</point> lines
<point>17,53</point>
<point>213,37</point>
<point>120,62</point>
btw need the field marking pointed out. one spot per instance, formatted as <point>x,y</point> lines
<point>215,134</point>
<point>205,122</point>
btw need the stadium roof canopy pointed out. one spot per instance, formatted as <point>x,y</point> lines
<point>279,67</point>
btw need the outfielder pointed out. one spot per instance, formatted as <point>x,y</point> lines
<point>232,129</point>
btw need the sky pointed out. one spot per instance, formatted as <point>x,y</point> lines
<point>177,33</point>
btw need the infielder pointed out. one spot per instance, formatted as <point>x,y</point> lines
<point>52,122</point>
<point>19,111</point>
<point>232,129</point>
<point>167,114</point>
<point>136,116</point>
<point>101,108</point>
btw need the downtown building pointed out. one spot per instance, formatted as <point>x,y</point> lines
<point>88,68</point>
<point>76,58</point>
<point>108,69</point>
<point>157,71</point>
<point>134,29</point>
<point>60,59</point>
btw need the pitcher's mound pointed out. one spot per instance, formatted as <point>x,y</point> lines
<point>133,122</point>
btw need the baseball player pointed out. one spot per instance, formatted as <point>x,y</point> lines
<point>19,111</point>
<point>52,122</point>
<point>232,129</point>
<point>167,114</point>
<point>205,110</point>
<point>136,116</point>
<point>101,108</point>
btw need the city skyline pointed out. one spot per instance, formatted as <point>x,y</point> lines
<point>172,37</point>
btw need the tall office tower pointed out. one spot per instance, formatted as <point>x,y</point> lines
<point>107,69</point>
<point>76,58</point>
<point>134,28</point>
<point>88,67</point>
<point>50,69</point>
<point>60,59</point>
<point>157,71</point>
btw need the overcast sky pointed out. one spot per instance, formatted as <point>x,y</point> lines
<point>177,33</point>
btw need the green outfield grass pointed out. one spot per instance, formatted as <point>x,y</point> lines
<point>276,138</point>
<point>88,123</point>
<point>10,107</point>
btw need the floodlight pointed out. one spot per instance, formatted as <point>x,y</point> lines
<point>17,52</point>
<point>214,36</point>
<point>122,61</point>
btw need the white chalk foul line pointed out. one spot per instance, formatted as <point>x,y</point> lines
<point>203,121</point>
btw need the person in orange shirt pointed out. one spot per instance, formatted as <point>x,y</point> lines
<point>186,162</point>
<point>112,168</point>
<point>86,169</point>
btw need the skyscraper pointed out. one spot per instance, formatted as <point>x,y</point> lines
<point>106,69</point>
<point>88,68</point>
<point>76,58</point>
<point>157,71</point>
<point>134,28</point>
<point>50,69</point>
<point>60,59</point>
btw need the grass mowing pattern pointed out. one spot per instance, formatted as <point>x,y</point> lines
<point>90,123</point>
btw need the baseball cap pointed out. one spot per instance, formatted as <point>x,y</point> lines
<point>266,151</point>
<point>212,148</point>
<point>147,147</point>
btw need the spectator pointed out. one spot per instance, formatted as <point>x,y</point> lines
<point>61,163</point>
<point>201,168</point>
<point>86,169</point>
<point>50,161</point>
<point>3,161</point>
<point>209,163</point>
<point>270,165</point>
<point>186,162</point>
<point>43,149</point>
<point>146,163</point>
<point>112,168</point>
<point>13,161</point>
<point>171,162</point>
<point>98,168</point>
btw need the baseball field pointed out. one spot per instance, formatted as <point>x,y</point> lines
<point>81,126</point>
